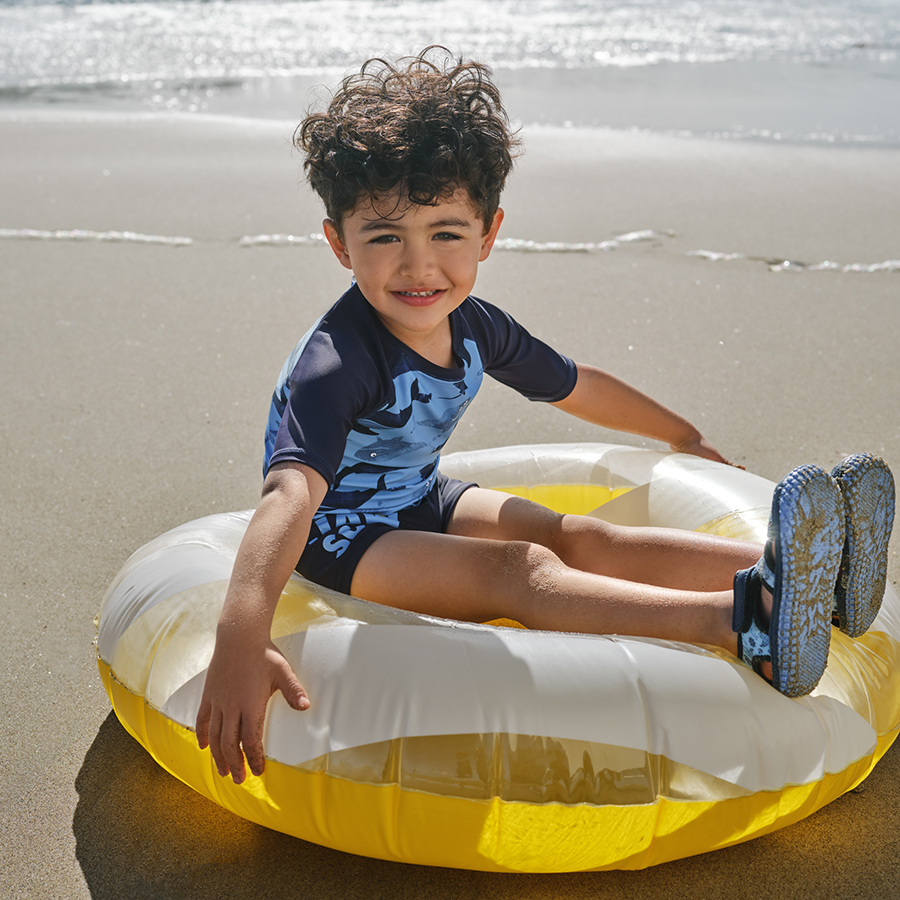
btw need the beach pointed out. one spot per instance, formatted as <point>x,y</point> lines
<point>740,283</point>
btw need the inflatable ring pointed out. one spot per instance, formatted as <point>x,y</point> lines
<point>496,748</point>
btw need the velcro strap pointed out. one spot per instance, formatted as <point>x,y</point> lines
<point>766,566</point>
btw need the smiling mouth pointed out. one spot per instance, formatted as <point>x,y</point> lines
<point>418,293</point>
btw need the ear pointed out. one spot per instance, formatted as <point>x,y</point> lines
<point>487,242</point>
<point>337,245</point>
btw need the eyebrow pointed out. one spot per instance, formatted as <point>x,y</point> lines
<point>391,225</point>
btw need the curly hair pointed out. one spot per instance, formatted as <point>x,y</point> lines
<point>425,127</point>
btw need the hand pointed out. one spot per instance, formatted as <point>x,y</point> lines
<point>232,711</point>
<point>699,446</point>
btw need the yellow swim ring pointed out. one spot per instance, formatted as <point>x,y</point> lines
<point>496,748</point>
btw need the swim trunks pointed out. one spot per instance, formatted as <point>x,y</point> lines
<point>338,541</point>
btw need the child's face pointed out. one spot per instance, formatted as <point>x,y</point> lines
<point>414,264</point>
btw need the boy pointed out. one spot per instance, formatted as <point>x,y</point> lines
<point>410,163</point>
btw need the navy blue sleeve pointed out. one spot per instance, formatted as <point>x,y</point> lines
<point>517,359</point>
<point>325,396</point>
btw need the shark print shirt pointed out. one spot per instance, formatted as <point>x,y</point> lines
<point>371,415</point>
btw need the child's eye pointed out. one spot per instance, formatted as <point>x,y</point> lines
<point>384,239</point>
<point>446,236</point>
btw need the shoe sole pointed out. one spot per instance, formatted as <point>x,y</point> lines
<point>867,486</point>
<point>808,515</point>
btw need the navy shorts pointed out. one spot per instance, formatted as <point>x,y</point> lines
<point>337,541</point>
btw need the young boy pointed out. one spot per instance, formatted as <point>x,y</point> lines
<point>410,162</point>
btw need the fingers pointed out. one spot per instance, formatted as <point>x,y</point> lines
<point>717,457</point>
<point>232,725</point>
<point>293,691</point>
<point>251,740</point>
<point>214,742</point>
<point>209,734</point>
<point>230,750</point>
<point>224,743</point>
<point>202,725</point>
<point>701,447</point>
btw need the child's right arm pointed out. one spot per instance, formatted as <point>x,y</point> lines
<point>246,667</point>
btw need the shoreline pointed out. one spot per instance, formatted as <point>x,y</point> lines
<point>847,101</point>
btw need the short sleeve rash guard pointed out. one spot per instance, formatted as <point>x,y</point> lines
<point>371,416</point>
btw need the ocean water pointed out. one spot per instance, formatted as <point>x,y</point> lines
<point>819,71</point>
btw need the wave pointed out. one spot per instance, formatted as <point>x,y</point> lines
<point>81,234</point>
<point>513,245</point>
<point>516,244</point>
<point>778,264</point>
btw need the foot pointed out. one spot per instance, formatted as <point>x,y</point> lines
<point>867,487</point>
<point>798,569</point>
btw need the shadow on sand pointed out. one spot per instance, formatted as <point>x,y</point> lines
<point>140,833</point>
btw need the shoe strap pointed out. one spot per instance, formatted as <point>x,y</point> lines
<point>755,648</point>
<point>765,568</point>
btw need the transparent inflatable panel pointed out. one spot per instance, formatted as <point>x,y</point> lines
<point>524,768</point>
<point>574,499</point>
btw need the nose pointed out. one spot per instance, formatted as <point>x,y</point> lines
<point>417,260</point>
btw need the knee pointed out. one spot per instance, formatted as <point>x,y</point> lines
<point>529,578</point>
<point>529,567</point>
<point>582,539</point>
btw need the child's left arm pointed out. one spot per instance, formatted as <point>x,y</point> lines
<point>605,400</point>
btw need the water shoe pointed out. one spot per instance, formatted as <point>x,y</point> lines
<point>867,486</point>
<point>799,566</point>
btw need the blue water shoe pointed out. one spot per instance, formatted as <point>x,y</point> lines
<point>867,486</point>
<point>799,566</point>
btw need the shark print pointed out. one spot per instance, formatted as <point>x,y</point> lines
<point>389,449</point>
<point>356,499</point>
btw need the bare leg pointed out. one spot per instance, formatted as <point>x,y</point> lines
<point>506,557</point>
<point>476,580</point>
<point>666,557</point>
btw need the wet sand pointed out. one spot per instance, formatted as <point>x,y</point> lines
<point>136,383</point>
